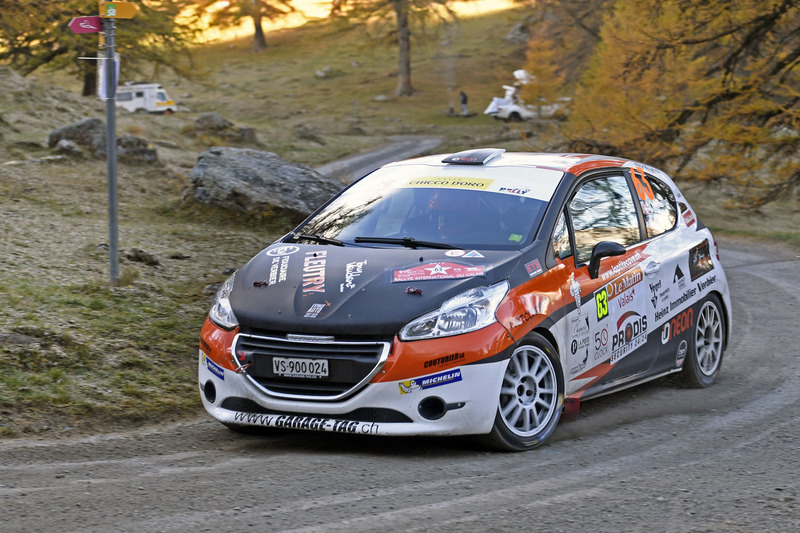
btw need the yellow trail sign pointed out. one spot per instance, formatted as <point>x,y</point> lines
<point>117,10</point>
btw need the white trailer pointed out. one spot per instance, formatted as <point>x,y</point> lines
<point>149,97</point>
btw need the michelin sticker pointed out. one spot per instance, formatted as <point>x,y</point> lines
<point>429,382</point>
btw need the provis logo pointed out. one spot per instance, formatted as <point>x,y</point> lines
<point>631,333</point>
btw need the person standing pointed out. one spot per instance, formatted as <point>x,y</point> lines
<point>462,96</point>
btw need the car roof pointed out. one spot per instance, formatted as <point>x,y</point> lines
<point>574,163</point>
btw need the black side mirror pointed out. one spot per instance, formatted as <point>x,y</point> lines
<point>603,249</point>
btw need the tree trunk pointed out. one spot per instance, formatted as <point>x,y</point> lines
<point>259,41</point>
<point>89,81</point>
<point>403,49</point>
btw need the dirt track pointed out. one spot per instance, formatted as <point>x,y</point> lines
<point>654,458</point>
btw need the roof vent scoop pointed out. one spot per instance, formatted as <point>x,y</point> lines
<point>474,157</point>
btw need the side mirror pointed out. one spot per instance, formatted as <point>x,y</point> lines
<point>603,249</point>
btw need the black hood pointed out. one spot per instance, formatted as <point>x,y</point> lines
<point>355,291</point>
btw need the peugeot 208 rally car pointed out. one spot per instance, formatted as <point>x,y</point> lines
<point>478,293</point>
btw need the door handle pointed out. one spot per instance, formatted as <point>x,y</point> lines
<point>652,267</point>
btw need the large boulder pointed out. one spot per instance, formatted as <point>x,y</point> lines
<point>90,133</point>
<point>253,182</point>
<point>81,133</point>
<point>130,149</point>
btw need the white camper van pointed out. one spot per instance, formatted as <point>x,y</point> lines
<point>150,97</point>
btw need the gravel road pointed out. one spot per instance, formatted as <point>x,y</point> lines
<point>654,458</point>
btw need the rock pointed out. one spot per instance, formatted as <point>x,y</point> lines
<point>216,125</point>
<point>68,147</point>
<point>381,98</point>
<point>140,256</point>
<point>130,149</point>
<point>212,122</point>
<point>252,181</point>
<point>82,133</point>
<point>307,134</point>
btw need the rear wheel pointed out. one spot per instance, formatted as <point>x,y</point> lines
<point>531,397</point>
<point>515,117</point>
<point>706,345</point>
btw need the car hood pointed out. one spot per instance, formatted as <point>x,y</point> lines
<point>355,291</point>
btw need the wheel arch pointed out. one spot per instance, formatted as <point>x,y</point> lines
<point>726,315</point>
<point>548,335</point>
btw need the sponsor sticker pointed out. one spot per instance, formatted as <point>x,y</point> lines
<point>448,360</point>
<point>677,325</point>
<point>601,344</point>
<point>454,253</point>
<point>214,368</point>
<point>688,217</point>
<point>279,269</point>
<point>282,250</point>
<point>679,278</point>
<point>473,253</point>
<point>436,380</point>
<point>351,272</point>
<point>700,262</point>
<point>316,309</point>
<point>622,266</point>
<point>575,291</point>
<point>441,270</point>
<point>314,272</point>
<point>680,355</point>
<point>442,182</point>
<point>307,422</point>
<point>534,268</point>
<point>631,334</point>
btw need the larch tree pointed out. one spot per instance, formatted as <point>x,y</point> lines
<point>403,13</point>
<point>231,13</point>
<point>706,90</point>
<point>34,34</point>
<point>547,83</point>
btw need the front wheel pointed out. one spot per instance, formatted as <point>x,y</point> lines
<point>707,344</point>
<point>531,397</point>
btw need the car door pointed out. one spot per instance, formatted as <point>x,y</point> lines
<point>608,332</point>
<point>665,268</point>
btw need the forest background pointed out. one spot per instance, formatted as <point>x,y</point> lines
<point>707,91</point>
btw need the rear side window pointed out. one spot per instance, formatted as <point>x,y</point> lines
<point>124,97</point>
<point>603,210</point>
<point>658,205</point>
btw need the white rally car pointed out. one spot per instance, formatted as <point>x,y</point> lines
<point>478,293</point>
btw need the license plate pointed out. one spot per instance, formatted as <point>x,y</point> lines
<point>290,367</point>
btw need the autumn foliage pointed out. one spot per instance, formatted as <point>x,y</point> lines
<point>706,90</point>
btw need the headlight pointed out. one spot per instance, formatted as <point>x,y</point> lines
<point>471,310</point>
<point>221,313</point>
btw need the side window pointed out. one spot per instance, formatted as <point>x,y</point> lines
<point>561,246</point>
<point>124,97</point>
<point>603,210</point>
<point>658,208</point>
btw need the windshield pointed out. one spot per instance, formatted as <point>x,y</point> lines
<point>457,206</point>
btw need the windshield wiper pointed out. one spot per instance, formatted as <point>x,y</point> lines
<point>317,238</point>
<point>408,242</point>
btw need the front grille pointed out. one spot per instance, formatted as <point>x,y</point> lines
<point>363,414</point>
<point>351,364</point>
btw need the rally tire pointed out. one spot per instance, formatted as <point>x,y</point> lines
<point>530,399</point>
<point>706,345</point>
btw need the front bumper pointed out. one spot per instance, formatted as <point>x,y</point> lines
<point>457,401</point>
